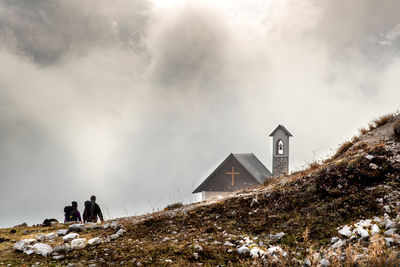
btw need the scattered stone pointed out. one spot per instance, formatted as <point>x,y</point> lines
<point>345,231</point>
<point>60,249</point>
<point>257,252</point>
<point>113,237</point>
<point>243,250</point>
<point>40,237</point>
<point>307,262</point>
<point>338,244</point>
<point>95,241</point>
<point>58,257</point>
<point>42,249</point>
<point>78,227</point>
<point>21,245</point>
<point>70,237</point>
<point>107,225</point>
<point>324,263</point>
<point>198,247</point>
<point>369,157</point>
<point>389,241</point>
<point>229,244</point>
<point>62,232</point>
<point>373,166</point>
<point>334,239</point>
<point>375,229</point>
<point>121,232</point>
<point>390,232</point>
<point>114,224</point>
<point>50,236</point>
<point>362,232</point>
<point>277,236</point>
<point>78,243</point>
<point>217,242</point>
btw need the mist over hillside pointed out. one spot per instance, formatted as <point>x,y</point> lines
<point>138,101</point>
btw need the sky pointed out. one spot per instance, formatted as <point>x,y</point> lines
<point>138,101</point>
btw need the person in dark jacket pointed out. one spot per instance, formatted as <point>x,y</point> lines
<point>72,213</point>
<point>92,211</point>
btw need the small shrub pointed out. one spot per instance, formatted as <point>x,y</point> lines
<point>174,206</point>
<point>396,129</point>
<point>363,131</point>
<point>342,149</point>
<point>383,120</point>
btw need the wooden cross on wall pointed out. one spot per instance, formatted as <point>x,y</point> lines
<point>233,175</point>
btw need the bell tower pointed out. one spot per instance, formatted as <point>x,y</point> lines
<point>280,151</point>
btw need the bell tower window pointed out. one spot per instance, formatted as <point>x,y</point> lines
<point>280,147</point>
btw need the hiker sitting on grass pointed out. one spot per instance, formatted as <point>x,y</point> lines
<point>92,210</point>
<point>72,213</point>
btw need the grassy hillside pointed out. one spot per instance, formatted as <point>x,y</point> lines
<point>359,187</point>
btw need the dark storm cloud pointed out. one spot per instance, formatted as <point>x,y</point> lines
<point>46,31</point>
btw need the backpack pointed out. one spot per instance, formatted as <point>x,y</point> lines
<point>68,213</point>
<point>89,211</point>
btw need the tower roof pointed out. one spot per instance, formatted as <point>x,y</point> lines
<point>280,126</point>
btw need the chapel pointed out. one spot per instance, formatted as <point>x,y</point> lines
<point>244,170</point>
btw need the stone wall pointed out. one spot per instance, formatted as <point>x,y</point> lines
<point>280,165</point>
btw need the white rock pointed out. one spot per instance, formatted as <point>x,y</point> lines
<point>77,227</point>
<point>277,236</point>
<point>362,232</point>
<point>70,237</point>
<point>389,241</point>
<point>114,236</point>
<point>198,247</point>
<point>91,225</point>
<point>121,232</point>
<point>390,232</point>
<point>307,262</point>
<point>324,263</point>
<point>21,245</point>
<point>58,257</point>
<point>114,224</point>
<point>338,244</point>
<point>229,244</point>
<point>369,157</point>
<point>95,241</point>
<point>345,231</point>
<point>62,232</point>
<point>42,249</point>
<point>29,251</point>
<point>364,223</point>
<point>389,224</point>
<point>50,236</point>
<point>78,243</point>
<point>243,250</point>
<point>107,225</point>
<point>257,252</point>
<point>40,237</point>
<point>276,250</point>
<point>375,229</point>
<point>373,166</point>
<point>334,239</point>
